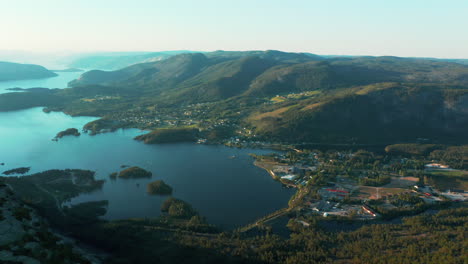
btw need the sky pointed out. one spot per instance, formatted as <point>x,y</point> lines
<point>410,28</point>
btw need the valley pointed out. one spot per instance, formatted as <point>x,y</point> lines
<point>299,157</point>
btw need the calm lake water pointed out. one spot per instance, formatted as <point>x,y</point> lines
<point>228,191</point>
<point>60,81</point>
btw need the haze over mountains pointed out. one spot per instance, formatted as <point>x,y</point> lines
<point>118,60</point>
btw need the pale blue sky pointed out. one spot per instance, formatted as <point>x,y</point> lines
<point>420,28</point>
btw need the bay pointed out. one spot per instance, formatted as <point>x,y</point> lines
<point>220,182</point>
<point>60,81</point>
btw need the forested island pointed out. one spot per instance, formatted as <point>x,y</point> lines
<point>159,187</point>
<point>68,132</point>
<point>134,172</point>
<point>178,208</point>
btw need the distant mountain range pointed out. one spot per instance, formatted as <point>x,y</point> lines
<point>16,71</point>
<point>294,97</point>
<point>266,73</point>
<point>118,60</point>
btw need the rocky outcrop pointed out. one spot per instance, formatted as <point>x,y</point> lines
<point>26,238</point>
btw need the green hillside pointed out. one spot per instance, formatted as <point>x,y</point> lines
<point>370,114</point>
<point>277,96</point>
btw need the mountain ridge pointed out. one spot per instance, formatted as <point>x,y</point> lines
<point>10,71</point>
<point>279,96</point>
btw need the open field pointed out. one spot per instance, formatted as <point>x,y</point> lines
<point>377,192</point>
<point>401,182</point>
<point>450,173</point>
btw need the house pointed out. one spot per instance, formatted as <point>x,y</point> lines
<point>320,206</point>
<point>304,223</point>
<point>436,166</point>
<point>290,177</point>
<point>368,210</point>
<point>201,141</point>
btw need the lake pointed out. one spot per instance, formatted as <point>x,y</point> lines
<point>60,81</point>
<point>228,191</point>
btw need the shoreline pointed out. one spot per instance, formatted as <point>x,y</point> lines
<point>260,164</point>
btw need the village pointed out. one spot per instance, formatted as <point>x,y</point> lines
<point>373,187</point>
<point>152,117</point>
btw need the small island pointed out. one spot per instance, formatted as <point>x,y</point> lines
<point>34,89</point>
<point>69,70</point>
<point>134,173</point>
<point>21,170</point>
<point>68,132</point>
<point>159,187</point>
<point>177,208</point>
<point>113,175</point>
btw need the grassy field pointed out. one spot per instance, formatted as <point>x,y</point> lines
<point>278,99</point>
<point>377,192</point>
<point>450,173</point>
<point>444,180</point>
<point>402,182</point>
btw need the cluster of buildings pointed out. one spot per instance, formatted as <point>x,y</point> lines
<point>330,208</point>
<point>436,166</point>
<point>293,175</point>
<point>430,195</point>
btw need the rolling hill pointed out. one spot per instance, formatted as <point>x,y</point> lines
<point>16,71</point>
<point>378,113</point>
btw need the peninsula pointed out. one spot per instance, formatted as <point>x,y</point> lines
<point>21,170</point>
<point>15,71</point>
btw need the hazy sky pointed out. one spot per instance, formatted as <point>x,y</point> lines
<point>431,28</point>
